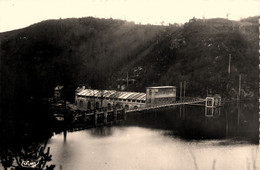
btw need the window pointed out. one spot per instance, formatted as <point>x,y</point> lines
<point>80,103</point>
<point>109,106</point>
<point>150,92</point>
<point>89,105</point>
<point>97,105</point>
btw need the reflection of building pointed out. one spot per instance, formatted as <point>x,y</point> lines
<point>212,111</point>
<point>160,95</point>
<point>88,99</point>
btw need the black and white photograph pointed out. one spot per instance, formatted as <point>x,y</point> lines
<point>129,84</point>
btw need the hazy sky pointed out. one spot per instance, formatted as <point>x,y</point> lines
<point>16,14</point>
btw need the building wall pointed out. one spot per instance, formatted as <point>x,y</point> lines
<point>85,103</point>
<point>156,96</point>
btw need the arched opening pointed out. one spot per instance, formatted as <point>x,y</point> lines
<point>80,103</point>
<point>89,105</point>
<point>126,107</point>
<point>97,105</point>
<point>109,106</point>
<point>135,107</point>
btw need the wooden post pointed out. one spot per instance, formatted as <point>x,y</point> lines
<point>124,112</point>
<point>95,115</point>
<point>84,119</point>
<point>238,115</point>
<point>180,112</point>
<point>115,114</point>
<point>226,127</point>
<point>65,135</point>
<point>183,113</point>
<point>105,117</point>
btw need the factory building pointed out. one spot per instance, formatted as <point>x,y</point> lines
<point>90,99</point>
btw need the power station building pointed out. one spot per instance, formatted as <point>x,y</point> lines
<point>90,99</point>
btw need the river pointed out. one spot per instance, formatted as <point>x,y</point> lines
<point>175,138</point>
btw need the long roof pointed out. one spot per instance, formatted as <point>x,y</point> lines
<point>112,94</point>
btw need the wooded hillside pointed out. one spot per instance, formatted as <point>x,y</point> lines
<point>97,52</point>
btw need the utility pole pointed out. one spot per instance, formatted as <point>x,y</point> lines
<point>229,65</point>
<point>239,87</point>
<point>181,91</point>
<point>127,80</point>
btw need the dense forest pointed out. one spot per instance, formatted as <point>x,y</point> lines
<point>97,52</point>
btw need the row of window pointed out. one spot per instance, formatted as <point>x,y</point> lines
<point>163,91</point>
<point>161,100</point>
<point>97,105</point>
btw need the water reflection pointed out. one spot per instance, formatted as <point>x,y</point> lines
<point>161,133</point>
<point>165,139</point>
<point>102,132</point>
<point>238,121</point>
<point>235,120</point>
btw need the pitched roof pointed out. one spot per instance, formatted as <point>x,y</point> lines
<point>112,94</point>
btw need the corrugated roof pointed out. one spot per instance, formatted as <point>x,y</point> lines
<point>113,94</point>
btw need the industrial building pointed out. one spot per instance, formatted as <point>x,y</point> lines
<point>90,99</point>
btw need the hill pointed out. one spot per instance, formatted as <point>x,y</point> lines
<point>97,52</point>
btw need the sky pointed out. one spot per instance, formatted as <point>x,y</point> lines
<point>15,14</point>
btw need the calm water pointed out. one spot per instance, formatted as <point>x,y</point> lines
<point>142,148</point>
<point>177,138</point>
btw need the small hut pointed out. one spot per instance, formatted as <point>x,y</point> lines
<point>213,101</point>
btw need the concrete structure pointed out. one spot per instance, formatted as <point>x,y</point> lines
<point>160,95</point>
<point>90,99</point>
